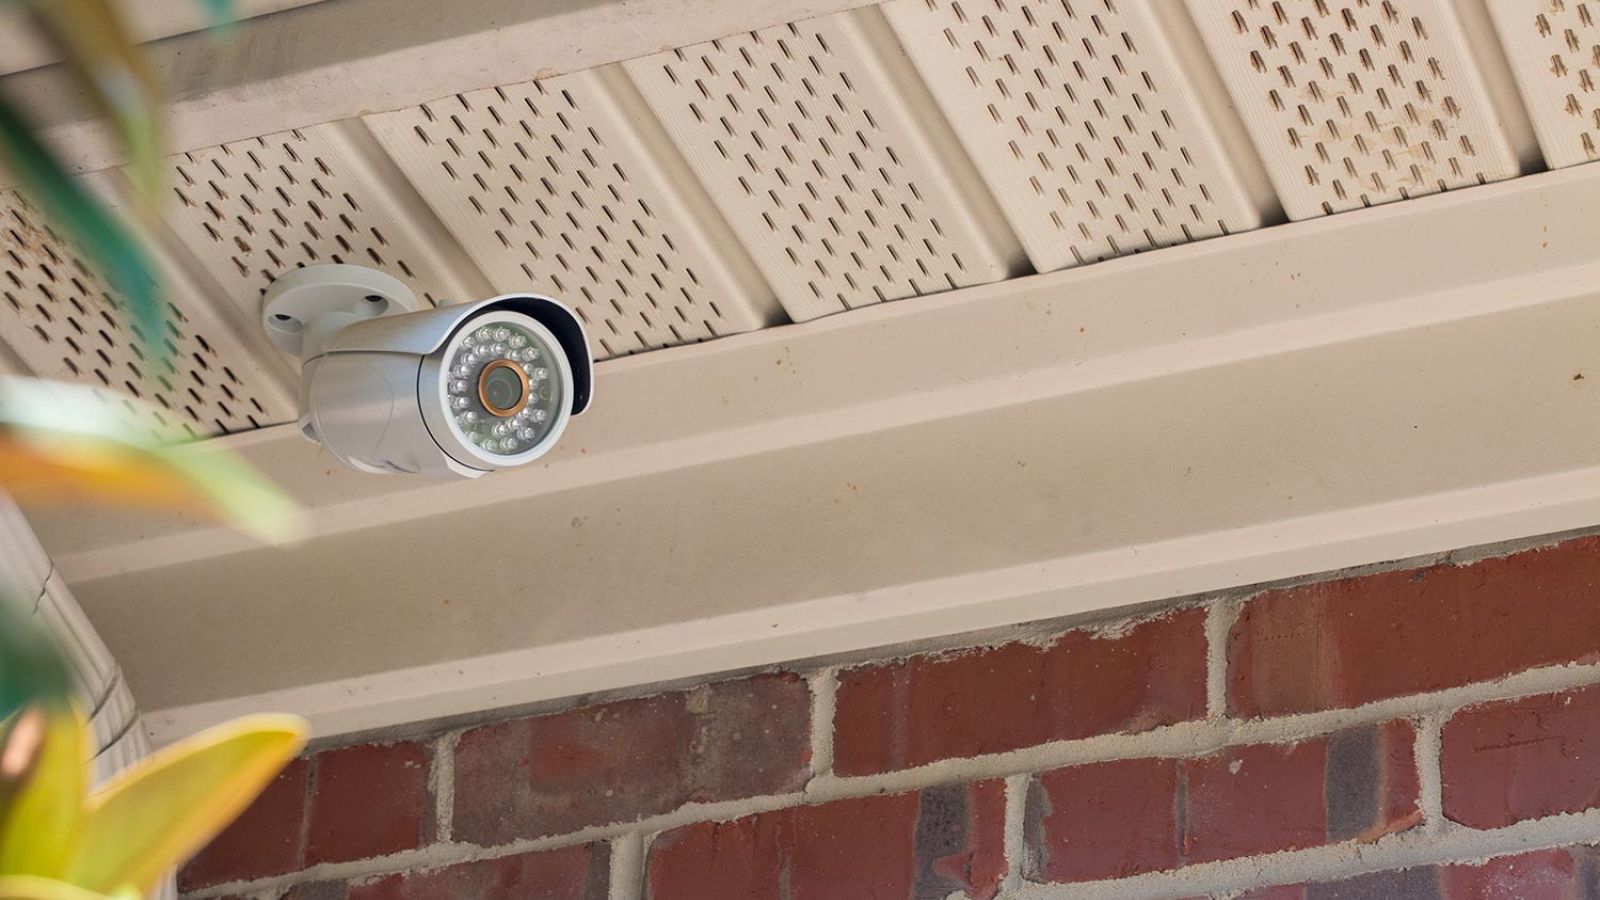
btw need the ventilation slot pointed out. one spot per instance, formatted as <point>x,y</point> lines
<point>254,209</point>
<point>1080,122</point>
<point>61,321</point>
<point>550,189</point>
<point>817,162</point>
<point>1554,48</point>
<point>1359,102</point>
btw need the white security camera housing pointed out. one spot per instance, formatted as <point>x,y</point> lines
<point>452,392</point>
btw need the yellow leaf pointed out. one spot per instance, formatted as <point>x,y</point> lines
<point>45,803</point>
<point>32,887</point>
<point>171,804</point>
<point>64,440</point>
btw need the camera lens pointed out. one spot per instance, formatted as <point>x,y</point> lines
<point>503,388</point>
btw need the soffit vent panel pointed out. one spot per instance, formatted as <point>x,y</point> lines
<point>1554,49</point>
<point>550,187</point>
<point>254,209</point>
<point>814,155</point>
<point>1080,122</point>
<point>62,321</point>
<point>1358,102</point>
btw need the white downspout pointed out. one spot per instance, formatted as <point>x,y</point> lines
<point>28,577</point>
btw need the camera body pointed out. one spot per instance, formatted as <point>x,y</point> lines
<point>452,392</point>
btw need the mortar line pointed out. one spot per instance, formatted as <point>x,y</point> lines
<point>1219,621</point>
<point>1430,777</point>
<point>442,785</point>
<point>824,704</point>
<point>627,867</point>
<point>1016,838</point>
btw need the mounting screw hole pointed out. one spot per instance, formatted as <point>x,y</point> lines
<point>377,305</point>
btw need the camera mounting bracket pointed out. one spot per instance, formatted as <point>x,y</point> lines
<point>305,307</point>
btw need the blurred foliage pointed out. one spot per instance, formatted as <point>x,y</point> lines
<point>220,13</point>
<point>60,441</point>
<point>63,441</point>
<point>30,666</point>
<point>87,223</point>
<point>94,43</point>
<point>60,840</point>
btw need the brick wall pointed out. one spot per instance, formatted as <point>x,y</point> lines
<point>1427,731</point>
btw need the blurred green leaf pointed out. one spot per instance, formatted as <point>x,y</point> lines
<point>62,440</point>
<point>120,258</point>
<point>220,12</point>
<point>31,667</point>
<point>98,48</point>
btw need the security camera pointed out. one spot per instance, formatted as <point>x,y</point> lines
<point>452,392</point>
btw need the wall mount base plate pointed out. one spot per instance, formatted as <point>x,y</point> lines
<point>352,293</point>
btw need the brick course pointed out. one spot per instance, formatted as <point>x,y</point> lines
<point>1121,818</point>
<point>1076,761</point>
<point>1344,642</point>
<point>576,872</point>
<point>916,711</point>
<point>623,761</point>
<point>927,844</point>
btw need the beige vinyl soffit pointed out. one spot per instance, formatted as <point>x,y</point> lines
<point>1359,387</point>
<point>319,61</point>
<point>752,165</point>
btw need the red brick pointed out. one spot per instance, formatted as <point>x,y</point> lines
<point>934,707</point>
<point>1106,820</point>
<point>1343,643</point>
<point>1541,875</point>
<point>1260,799</point>
<point>267,839</point>
<point>623,761</point>
<point>936,843</point>
<point>370,800</point>
<point>1400,786</point>
<point>1522,759</point>
<point>580,873</point>
<point>1357,784</point>
<point>961,839</point>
